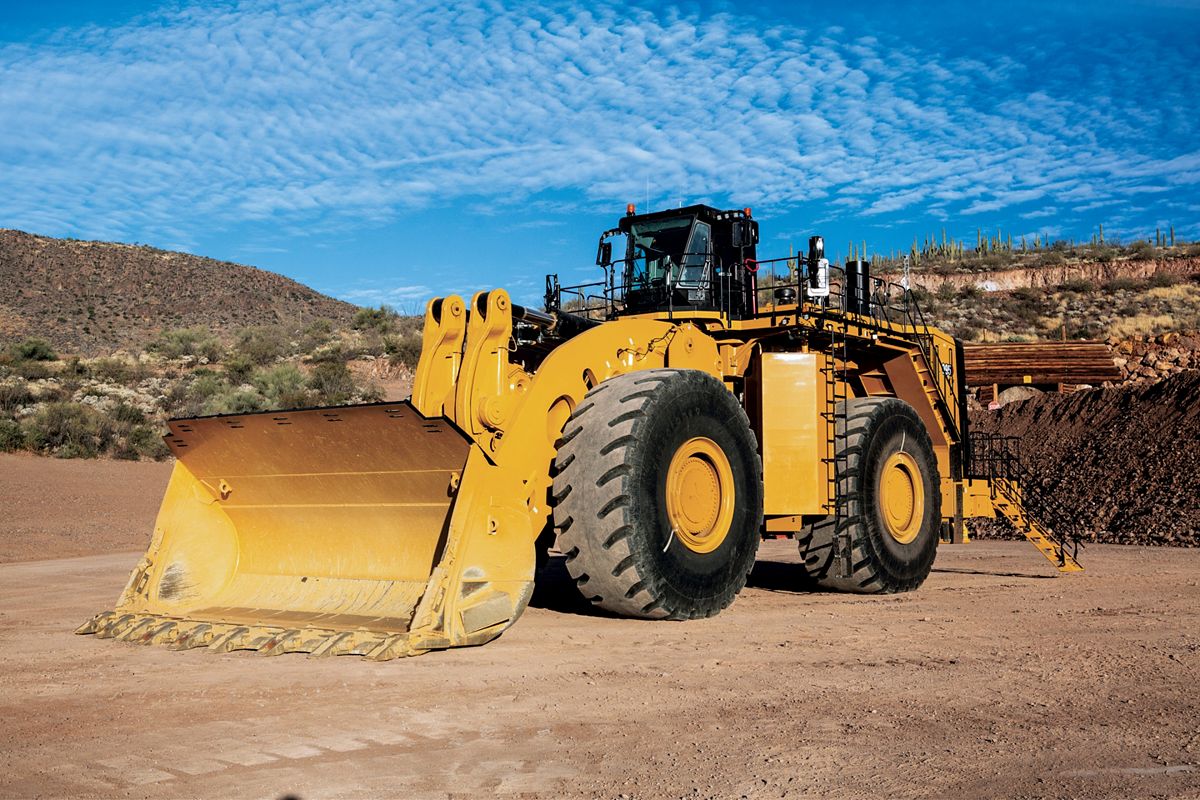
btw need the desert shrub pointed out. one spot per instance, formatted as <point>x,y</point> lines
<point>1123,284</point>
<point>409,326</point>
<point>968,332</point>
<point>283,386</point>
<point>404,348</point>
<point>175,400</point>
<point>1141,324</point>
<point>118,370</point>
<point>920,294</point>
<point>141,441</point>
<point>1028,295</point>
<point>1161,280</point>
<point>32,370</point>
<point>371,343</point>
<point>13,395</point>
<point>1142,250</point>
<point>261,344</point>
<point>238,367</point>
<point>233,401</point>
<point>381,319</point>
<point>1077,286</point>
<point>1053,258</point>
<point>127,414</point>
<point>33,349</point>
<point>1025,309</point>
<point>68,430</point>
<point>187,342</point>
<point>332,353</point>
<point>187,397</point>
<point>205,386</point>
<point>315,334</point>
<point>332,382</point>
<point>371,393</point>
<point>11,436</point>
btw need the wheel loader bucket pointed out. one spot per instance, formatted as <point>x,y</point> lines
<point>316,531</point>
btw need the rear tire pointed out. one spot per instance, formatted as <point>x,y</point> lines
<point>658,495</point>
<point>894,503</point>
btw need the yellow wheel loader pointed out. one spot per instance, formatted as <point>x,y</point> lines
<point>655,425</point>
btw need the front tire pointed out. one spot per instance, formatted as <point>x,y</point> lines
<point>658,495</point>
<point>893,503</point>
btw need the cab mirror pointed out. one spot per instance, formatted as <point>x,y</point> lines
<point>604,254</point>
<point>743,233</point>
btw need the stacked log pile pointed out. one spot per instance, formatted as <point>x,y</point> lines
<point>1039,364</point>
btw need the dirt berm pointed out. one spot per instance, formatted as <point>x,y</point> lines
<point>1123,461</point>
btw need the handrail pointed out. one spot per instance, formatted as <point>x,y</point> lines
<point>887,304</point>
<point>997,457</point>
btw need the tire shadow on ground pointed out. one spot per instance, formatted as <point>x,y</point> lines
<point>992,572</point>
<point>780,576</point>
<point>555,590</point>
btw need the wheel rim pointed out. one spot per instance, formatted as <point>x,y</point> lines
<point>902,497</point>
<point>700,495</point>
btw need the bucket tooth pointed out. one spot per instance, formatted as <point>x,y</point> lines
<point>258,638</point>
<point>116,626</point>
<point>306,640</point>
<point>335,645</point>
<point>396,646</point>
<point>230,640</point>
<point>135,631</point>
<point>192,634</point>
<point>280,642</point>
<point>95,623</point>
<point>351,643</point>
<point>367,642</point>
<point>162,633</point>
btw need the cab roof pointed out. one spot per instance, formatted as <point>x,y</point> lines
<point>704,213</point>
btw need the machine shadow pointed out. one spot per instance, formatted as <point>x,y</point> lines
<point>992,572</point>
<point>780,576</point>
<point>554,590</point>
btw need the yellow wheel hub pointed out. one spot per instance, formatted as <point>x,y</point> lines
<point>902,497</point>
<point>700,495</point>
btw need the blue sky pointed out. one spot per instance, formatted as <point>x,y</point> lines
<point>385,152</point>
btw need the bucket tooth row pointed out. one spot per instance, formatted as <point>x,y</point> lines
<point>223,637</point>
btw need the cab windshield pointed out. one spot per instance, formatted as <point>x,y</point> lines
<point>657,250</point>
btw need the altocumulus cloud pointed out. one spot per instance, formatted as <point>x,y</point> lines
<point>341,111</point>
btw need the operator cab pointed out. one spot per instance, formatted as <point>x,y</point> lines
<point>692,258</point>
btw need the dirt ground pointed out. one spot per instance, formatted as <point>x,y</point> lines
<point>56,508</point>
<point>995,679</point>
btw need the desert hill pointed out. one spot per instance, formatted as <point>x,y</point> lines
<point>96,297</point>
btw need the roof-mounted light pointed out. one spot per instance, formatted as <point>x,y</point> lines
<point>630,210</point>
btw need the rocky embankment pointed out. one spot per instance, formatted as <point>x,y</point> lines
<point>1151,358</point>
<point>1006,279</point>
